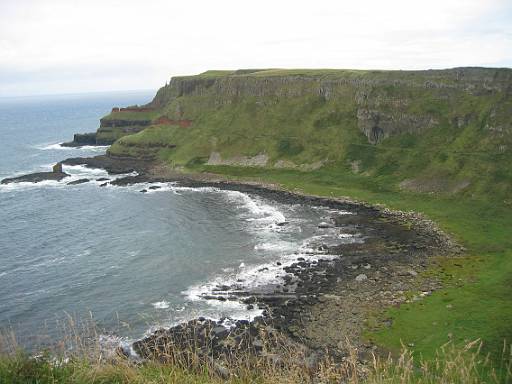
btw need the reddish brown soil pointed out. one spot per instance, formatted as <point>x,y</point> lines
<point>164,120</point>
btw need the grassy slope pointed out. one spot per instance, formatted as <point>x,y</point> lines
<point>478,285</point>
<point>308,129</point>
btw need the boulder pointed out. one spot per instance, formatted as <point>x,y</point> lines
<point>361,277</point>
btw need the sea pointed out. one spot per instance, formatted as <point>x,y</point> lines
<point>129,262</point>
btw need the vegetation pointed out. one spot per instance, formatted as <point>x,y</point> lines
<point>132,115</point>
<point>449,140</point>
<point>88,364</point>
<point>450,160</point>
<point>456,171</point>
<point>477,285</point>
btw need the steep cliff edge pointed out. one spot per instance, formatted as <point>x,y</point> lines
<point>434,131</point>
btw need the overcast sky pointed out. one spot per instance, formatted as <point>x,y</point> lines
<point>72,46</point>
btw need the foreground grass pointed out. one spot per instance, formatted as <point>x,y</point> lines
<point>452,365</point>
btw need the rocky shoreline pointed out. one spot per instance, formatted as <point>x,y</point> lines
<point>322,304</point>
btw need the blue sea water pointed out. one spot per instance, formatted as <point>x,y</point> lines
<point>133,261</point>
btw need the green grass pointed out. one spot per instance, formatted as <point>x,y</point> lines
<point>478,285</point>
<point>306,128</point>
<point>131,115</point>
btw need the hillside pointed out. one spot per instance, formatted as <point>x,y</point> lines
<point>431,131</point>
<point>436,142</point>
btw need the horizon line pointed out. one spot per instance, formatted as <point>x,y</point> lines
<point>64,94</point>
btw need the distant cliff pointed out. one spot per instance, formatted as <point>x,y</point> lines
<point>444,127</point>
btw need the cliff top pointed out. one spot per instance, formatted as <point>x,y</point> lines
<point>327,72</point>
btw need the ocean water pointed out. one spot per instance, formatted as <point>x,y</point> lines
<point>133,261</point>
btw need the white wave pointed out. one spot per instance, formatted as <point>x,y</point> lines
<point>49,147</point>
<point>278,245</point>
<point>259,210</point>
<point>59,146</point>
<point>109,345</point>
<point>160,304</point>
<point>83,171</point>
<point>252,209</point>
<point>27,185</point>
<point>75,172</point>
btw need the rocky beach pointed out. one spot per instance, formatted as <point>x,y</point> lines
<point>323,303</point>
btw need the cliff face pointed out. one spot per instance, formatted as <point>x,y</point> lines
<point>443,126</point>
<point>384,100</point>
<point>122,122</point>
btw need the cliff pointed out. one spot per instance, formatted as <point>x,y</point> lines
<point>436,130</point>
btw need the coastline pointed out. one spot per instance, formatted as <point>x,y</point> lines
<point>324,304</point>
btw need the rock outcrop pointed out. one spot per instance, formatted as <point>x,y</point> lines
<point>57,174</point>
<point>81,139</point>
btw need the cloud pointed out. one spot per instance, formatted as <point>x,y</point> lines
<point>62,45</point>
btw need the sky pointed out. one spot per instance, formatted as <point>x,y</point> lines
<point>75,46</point>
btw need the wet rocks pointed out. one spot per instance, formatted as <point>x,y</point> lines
<point>57,175</point>
<point>81,139</point>
<point>207,338</point>
<point>79,181</point>
<point>110,164</point>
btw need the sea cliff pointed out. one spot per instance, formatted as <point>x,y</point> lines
<point>446,131</point>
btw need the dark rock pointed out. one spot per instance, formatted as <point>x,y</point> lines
<point>144,190</point>
<point>81,139</point>
<point>221,370</point>
<point>112,165</point>
<point>153,187</point>
<point>102,179</point>
<point>79,181</point>
<point>257,344</point>
<point>103,185</point>
<point>219,331</point>
<point>36,177</point>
